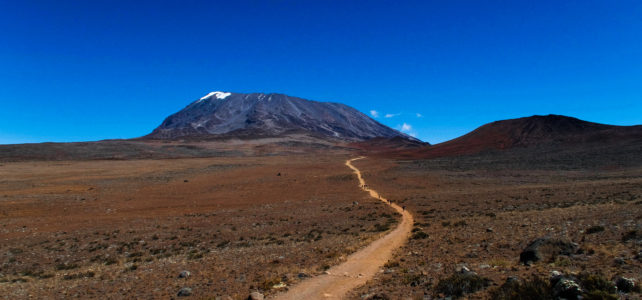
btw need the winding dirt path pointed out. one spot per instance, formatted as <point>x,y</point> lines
<point>361,265</point>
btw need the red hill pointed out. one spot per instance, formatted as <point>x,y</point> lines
<point>535,131</point>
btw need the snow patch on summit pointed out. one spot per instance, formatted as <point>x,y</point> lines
<point>217,94</point>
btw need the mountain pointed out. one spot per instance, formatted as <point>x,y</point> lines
<point>533,132</point>
<point>224,114</point>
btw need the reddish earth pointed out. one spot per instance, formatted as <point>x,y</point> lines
<point>126,229</point>
<point>482,217</point>
<point>361,265</point>
<point>535,131</point>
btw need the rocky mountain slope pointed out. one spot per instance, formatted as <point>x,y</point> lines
<point>223,114</point>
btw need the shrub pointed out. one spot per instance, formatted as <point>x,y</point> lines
<point>381,227</point>
<point>459,284</point>
<point>599,295</point>
<point>419,235</point>
<point>594,229</point>
<point>222,244</point>
<point>596,283</point>
<point>267,284</point>
<point>391,264</point>
<point>631,235</point>
<point>534,289</point>
<point>131,268</point>
<point>411,279</point>
<point>79,275</point>
<point>66,266</point>
<point>460,223</point>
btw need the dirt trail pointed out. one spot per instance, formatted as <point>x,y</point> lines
<point>361,265</point>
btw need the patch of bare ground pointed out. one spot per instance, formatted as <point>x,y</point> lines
<point>483,218</point>
<point>127,229</point>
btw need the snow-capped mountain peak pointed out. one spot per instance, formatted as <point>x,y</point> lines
<point>217,94</point>
<point>260,114</point>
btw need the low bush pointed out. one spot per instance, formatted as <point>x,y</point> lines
<point>459,284</point>
<point>534,289</point>
<point>419,235</point>
<point>594,229</point>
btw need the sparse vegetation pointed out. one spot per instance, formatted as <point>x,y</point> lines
<point>459,284</point>
<point>419,235</point>
<point>536,288</point>
<point>594,229</point>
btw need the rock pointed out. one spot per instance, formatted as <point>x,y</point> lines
<point>489,230</point>
<point>566,288</point>
<point>463,270</point>
<point>255,296</point>
<point>279,285</point>
<point>546,248</point>
<point>624,284</point>
<point>184,274</point>
<point>302,275</point>
<point>184,292</point>
<point>484,266</point>
<point>512,279</point>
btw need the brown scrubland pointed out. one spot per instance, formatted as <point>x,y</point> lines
<point>265,216</point>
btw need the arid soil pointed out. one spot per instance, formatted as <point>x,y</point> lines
<point>127,229</point>
<point>362,265</point>
<point>270,215</point>
<point>481,212</point>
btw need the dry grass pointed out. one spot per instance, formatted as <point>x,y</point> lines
<point>484,218</point>
<point>117,229</point>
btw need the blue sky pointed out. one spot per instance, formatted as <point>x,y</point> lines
<point>90,70</point>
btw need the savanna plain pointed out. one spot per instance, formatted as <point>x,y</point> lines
<point>227,226</point>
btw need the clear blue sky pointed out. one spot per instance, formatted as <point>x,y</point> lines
<point>90,70</point>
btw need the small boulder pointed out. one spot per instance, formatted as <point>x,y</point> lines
<point>462,269</point>
<point>184,274</point>
<point>567,288</point>
<point>184,292</point>
<point>624,284</point>
<point>255,296</point>
<point>546,248</point>
<point>279,285</point>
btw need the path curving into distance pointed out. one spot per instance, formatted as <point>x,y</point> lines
<point>361,265</point>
